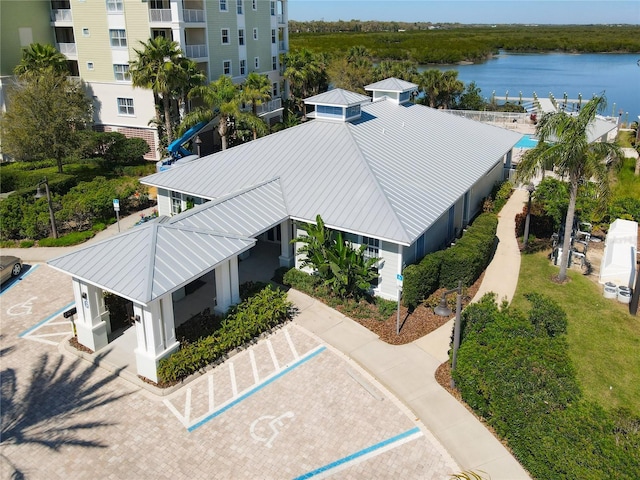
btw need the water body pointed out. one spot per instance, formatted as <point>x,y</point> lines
<point>617,75</point>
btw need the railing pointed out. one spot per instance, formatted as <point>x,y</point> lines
<point>61,15</point>
<point>159,14</point>
<point>281,19</point>
<point>269,106</point>
<point>195,51</point>
<point>67,48</point>
<point>282,46</point>
<point>193,16</point>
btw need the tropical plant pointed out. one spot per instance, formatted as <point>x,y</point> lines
<point>256,90</point>
<point>307,75</point>
<point>345,270</point>
<point>573,157</point>
<point>40,60</point>
<point>160,67</point>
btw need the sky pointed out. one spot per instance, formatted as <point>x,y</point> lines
<point>470,11</point>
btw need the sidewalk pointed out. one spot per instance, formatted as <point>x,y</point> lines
<point>43,254</point>
<point>409,370</point>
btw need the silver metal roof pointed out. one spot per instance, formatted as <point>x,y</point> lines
<point>388,175</point>
<point>391,85</point>
<point>338,97</point>
<point>151,260</point>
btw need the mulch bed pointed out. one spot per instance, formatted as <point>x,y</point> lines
<point>416,324</point>
<point>73,341</point>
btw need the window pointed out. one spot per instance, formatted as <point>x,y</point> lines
<point>125,106</point>
<point>273,36</point>
<point>255,33</point>
<point>121,73</point>
<point>85,32</point>
<point>254,4</point>
<point>273,9</point>
<point>373,247</point>
<point>176,203</point>
<point>223,5</point>
<point>225,36</point>
<point>275,90</point>
<point>243,67</point>
<point>274,63</point>
<point>239,7</point>
<point>89,65</point>
<point>256,62</point>
<point>115,6</point>
<point>118,38</point>
<point>241,36</point>
<point>226,67</point>
<point>353,111</point>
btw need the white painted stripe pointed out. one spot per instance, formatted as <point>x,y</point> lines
<point>187,406</point>
<point>232,376</point>
<point>291,345</point>
<point>175,411</point>
<point>254,367</point>
<point>36,339</point>
<point>58,334</point>
<point>67,322</point>
<point>211,402</point>
<point>332,471</point>
<point>273,355</point>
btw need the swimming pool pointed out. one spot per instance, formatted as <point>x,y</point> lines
<point>527,141</point>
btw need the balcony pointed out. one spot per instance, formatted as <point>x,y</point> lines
<point>193,16</point>
<point>195,51</point>
<point>266,107</point>
<point>281,20</point>
<point>282,46</point>
<point>68,49</point>
<point>159,15</point>
<point>61,15</point>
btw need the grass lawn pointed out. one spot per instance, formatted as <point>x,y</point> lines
<point>626,184</point>
<point>603,337</point>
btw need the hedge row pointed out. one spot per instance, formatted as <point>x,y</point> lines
<point>514,370</point>
<point>244,322</point>
<point>465,261</point>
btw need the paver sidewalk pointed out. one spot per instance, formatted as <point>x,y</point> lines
<point>409,370</point>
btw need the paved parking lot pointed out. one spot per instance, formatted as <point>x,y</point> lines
<point>288,407</point>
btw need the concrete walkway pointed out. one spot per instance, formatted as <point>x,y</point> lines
<point>409,370</point>
<point>43,254</point>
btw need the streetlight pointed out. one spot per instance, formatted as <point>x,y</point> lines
<point>199,145</point>
<point>530,189</point>
<point>39,194</point>
<point>443,310</point>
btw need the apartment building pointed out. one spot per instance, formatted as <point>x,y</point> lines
<point>224,37</point>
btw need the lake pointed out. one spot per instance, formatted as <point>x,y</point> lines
<point>617,75</point>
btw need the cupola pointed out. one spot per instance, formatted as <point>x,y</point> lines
<point>394,89</point>
<point>337,104</point>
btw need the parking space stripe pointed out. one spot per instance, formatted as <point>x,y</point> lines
<point>311,354</point>
<point>273,355</point>
<point>254,366</point>
<point>42,322</point>
<point>291,345</point>
<point>26,274</point>
<point>232,377</point>
<point>363,454</point>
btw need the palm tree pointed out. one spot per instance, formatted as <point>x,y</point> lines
<point>157,68</point>
<point>38,60</point>
<point>307,75</point>
<point>450,89</point>
<point>189,77</point>
<point>573,157</point>
<point>221,98</point>
<point>256,90</point>
<point>430,82</point>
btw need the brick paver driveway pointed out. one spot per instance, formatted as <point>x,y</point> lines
<point>288,407</point>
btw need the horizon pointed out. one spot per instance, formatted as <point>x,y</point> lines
<point>471,12</point>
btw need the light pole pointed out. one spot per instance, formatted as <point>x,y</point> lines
<point>530,189</point>
<point>199,145</point>
<point>444,311</point>
<point>54,230</point>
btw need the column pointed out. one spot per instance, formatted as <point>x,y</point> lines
<point>223,288</point>
<point>507,164</point>
<point>92,323</point>
<point>234,280</point>
<point>287,258</point>
<point>155,335</point>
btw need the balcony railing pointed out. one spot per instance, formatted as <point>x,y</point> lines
<point>195,51</point>
<point>67,48</point>
<point>281,19</point>
<point>268,107</point>
<point>282,47</point>
<point>61,15</point>
<point>159,14</point>
<point>193,16</point>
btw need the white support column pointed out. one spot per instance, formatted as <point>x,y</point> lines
<point>234,280</point>
<point>93,317</point>
<point>155,334</point>
<point>287,257</point>
<point>223,288</point>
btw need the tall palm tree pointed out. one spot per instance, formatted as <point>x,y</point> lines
<point>157,68</point>
<point>450,89</point>
<point>573,157</point>
<point>307,75</point>
<point>41,59</point>
<point>189,76</point>
<point>222,98</point>
<point>256,90</point>
<point>430,83</point>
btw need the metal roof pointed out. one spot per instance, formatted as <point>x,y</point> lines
<point>151,260</point>
<point>338,97</point>
<point>388,175</point>
<point>391,85</point>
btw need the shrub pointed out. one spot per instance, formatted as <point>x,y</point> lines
<point>546,315</point>
<point>301,281</point>
<point>73,238</point>
<point>243,323</point>
<point>27,244</point>
<point>501,194</point>
<point>421,280</point>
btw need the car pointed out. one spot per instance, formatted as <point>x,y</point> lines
<point>10,267</point>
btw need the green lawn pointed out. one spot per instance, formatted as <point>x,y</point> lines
<point>604,339</point>
<point>626,183</point>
